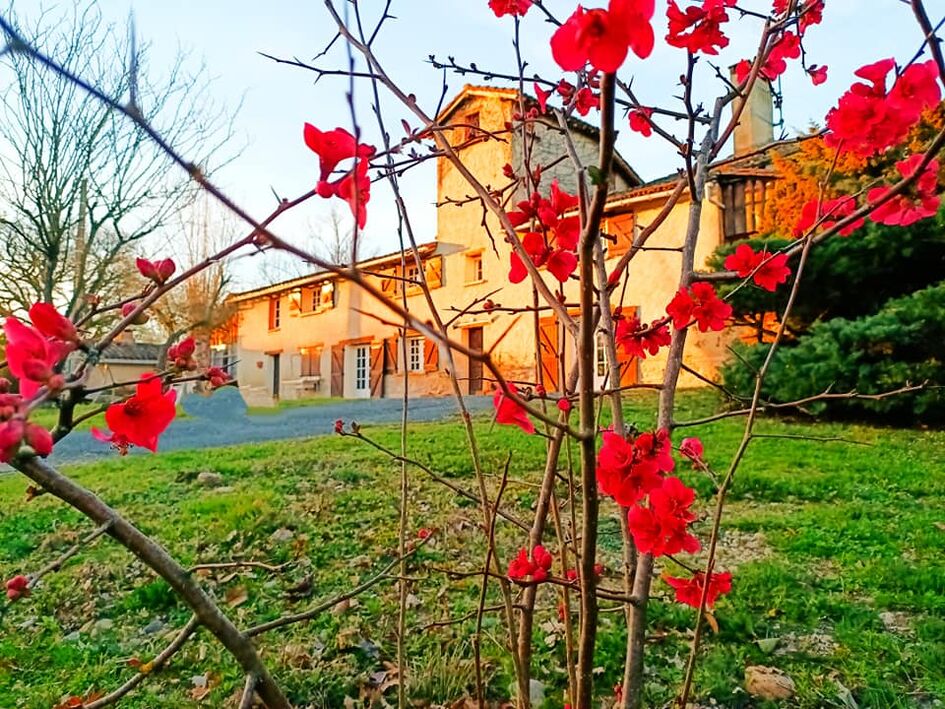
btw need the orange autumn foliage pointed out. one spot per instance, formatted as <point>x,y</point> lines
<point>815,170</point>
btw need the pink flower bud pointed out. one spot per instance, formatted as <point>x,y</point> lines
<point>139,319</point>
<point>157,271</point>
<point>39,439</point>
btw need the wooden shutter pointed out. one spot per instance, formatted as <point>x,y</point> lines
<point>621,228</point>
<point>548,344</point>
<point>338,370</point>
<point>433,271</point>
<point>389,285</point>
<point>377,370</point>
<point>390,355</point>
<point>431,356</point>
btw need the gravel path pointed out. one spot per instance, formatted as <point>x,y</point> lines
<point>225,423</point>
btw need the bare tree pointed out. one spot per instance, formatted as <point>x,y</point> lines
<point>79,187</point>
<point>335,240</point>
<point>198,305</point>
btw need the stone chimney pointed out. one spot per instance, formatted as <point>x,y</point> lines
<point>755,127</point>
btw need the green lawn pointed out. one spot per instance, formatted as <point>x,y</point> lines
<point>823,538</point>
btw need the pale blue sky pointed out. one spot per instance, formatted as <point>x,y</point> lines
<point>276,99</point>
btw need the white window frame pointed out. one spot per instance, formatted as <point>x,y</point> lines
<point>362,367</point>
<point>415,354</point>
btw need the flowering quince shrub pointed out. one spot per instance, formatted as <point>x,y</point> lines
<point>597,465</point>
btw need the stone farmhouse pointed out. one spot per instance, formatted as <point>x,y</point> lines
<point>309,337</point>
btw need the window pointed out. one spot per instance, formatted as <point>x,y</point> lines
<point>326,296</point>
<point>275,312</point>
<point>361,368</point>
<point>474,268</point>
<point>311,361</point>
<point>415,354</point>
<point>743,200</point>
<point>470,129</point>
<point>222,356</point>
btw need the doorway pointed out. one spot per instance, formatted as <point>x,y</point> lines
<point>475,365</point>
<point>275,375</point>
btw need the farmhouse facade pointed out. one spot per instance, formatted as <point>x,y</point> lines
<point>316,336</point>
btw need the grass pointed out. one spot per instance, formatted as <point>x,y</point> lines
<point>823,538</point>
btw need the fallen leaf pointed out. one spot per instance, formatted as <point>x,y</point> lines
<point>236,596</point>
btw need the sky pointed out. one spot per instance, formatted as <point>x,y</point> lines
<point>226,37</point>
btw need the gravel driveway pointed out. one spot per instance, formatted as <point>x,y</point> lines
<point>214,423</point>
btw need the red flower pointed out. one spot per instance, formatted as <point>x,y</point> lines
<point>814,213</point>
<point>788,46</point>
<point>355,189</point>
<point>603,37</point>
<point>31,357</point>
<point>701,304</point>
<point>50,323</point>
<point>564,405</point>
<point>903,210</point>
<point>18,587</point>
<point>332,147</point>
<point>742,70</point>
<point>640,121</point>
<point>139,319</point>
<point>142,418</point>
<point>628,470</point>
<point>915,90</point>
<point>157,271</point>
<point>703,25</point>
<point>766,270</point>
<point>423,533</point>
<point>636,340</point>
<point>542,102</point>
<point>339,426</point>
<point>534,568</point>
<point>507,411</point>
<point>509,7</point>
<point>562,263</point>
<point>689,591</point>
<point>663,526</point>
<point>866,120</point>
<point>572,574</point>
<point>692,448</point>
<point>818,74</point>
<point>585,101</point>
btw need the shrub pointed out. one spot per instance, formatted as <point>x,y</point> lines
<point>900,344</point>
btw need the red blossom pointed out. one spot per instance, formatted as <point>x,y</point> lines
<point>533,568</point>
<point>742,70</point>
<point>543,96</point>
<point>508,411</point>
<point>788,46</point>
<point>572,574</point>
<point>699,303</point>
<point>640,121</point>
<point>813,212</point>
<point>510,7</point>
<point>818,74</point>
<point>339,426</point>
<point>698,29</point>
<point>637,340</point>
<point>768,271</point>
<point>867,120</point>
<point>52,324</point>
<point>18,587</point>
<point>355,189</point>
<point>689,591</point>
<point>158,271</point>
<point>692,448</point>
<point>142,418</point>
<point>562,263</point>
<point>32,357</point>
<point>423,533</point>
<point>663,526</point>
<point>332,147</point>
<point>39,439</point>
<point>181,355</point>
<point>629,469</point>
<point>585,101</point>
<point>139,319</point>
<point>903,209</point>
<point>603,37</point>
<point>564,405</point>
